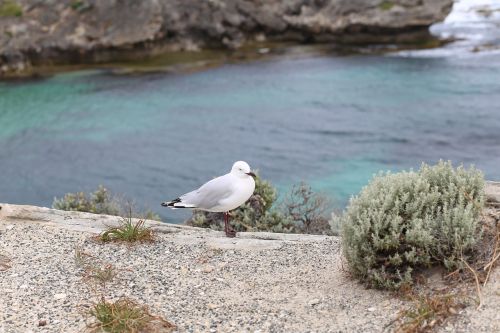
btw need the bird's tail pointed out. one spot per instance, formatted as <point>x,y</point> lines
<point>177,203</point>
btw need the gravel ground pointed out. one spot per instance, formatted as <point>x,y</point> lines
<point>197,279</point>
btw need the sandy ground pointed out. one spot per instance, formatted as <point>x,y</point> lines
<point>197,279</point>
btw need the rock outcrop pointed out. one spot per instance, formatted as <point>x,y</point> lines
<point>34,32</point>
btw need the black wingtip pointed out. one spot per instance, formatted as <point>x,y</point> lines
<point>170,203</point>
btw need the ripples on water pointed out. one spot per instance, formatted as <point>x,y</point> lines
<point>332,121</point>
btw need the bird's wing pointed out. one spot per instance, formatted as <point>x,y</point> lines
<point>210,194</point>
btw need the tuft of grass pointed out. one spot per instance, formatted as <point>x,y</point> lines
<point>126,316</point>
<point>386,5</point>
<point>428,312</point>
<point>128,231</point>
<point>102,274</point>
<point>10,8</point>
<point>77,4</point>
<point>94,270</point>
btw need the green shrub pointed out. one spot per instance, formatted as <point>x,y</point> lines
<point>255,215</point>
<point>9,8</point>
<point>386,5</point>
<point>100,201</point>
<point>409,220</point>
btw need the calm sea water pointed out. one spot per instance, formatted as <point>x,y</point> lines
<point>331,121</point>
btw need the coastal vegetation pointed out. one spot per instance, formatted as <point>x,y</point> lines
<point>403,222</point>
<point>126,316</point>
<point>101,201</point>
<point>128,231</point>
<point>121,316</point>
<point>397,227</point>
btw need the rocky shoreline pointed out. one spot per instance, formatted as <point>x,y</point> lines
<point>40,33</point>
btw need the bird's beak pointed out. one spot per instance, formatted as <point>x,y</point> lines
<point>252,174</point>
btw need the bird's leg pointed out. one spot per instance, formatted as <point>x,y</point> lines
<point>230,232</point>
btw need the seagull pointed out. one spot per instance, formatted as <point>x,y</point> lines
<point>221,194</point>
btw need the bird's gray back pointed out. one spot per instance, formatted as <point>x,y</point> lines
<point>211,193</point>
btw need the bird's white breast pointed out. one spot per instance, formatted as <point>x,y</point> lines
<point>243,190</point>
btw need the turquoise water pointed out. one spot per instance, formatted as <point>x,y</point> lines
<point>331,121</point>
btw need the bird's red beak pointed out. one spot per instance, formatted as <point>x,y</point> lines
<point>252,174</point>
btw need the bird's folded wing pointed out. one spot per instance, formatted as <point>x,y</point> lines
<point>210,194</point>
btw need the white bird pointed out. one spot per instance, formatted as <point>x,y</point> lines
<point>221,194</point>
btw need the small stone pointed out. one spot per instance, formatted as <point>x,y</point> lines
<point>24,286</point>
<point>60,296</point>
<point>212,306</point>
<point>9,227</point>
<point>42,323</point>
<point>371,309</point>
<point>314,302</point>
<point>207,269</point>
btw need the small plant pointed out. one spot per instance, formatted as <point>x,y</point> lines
<point>428,312</point>
<point>77,4</point>
<point>128,231</point>
<point>101,201</point>
<point>10,8</point>
<point>307,210</point>
<point>93,270</point>
<point>126,316</point>
<point>386,5</point>
<point>410,220</point>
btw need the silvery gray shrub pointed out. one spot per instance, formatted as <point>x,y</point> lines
<point>410,220</point>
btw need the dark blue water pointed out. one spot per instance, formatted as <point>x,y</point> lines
<point>331,121</point>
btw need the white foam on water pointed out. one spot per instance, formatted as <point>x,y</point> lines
<point>475,24</point>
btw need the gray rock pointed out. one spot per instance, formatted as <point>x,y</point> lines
<point>88,31</point>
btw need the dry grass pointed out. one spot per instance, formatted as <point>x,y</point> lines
<point>125,316</point>
<point>487,254</point>
<point>428,312</point>
<point>128,232</point>
<point>122,316</point>
<point>93,269</point>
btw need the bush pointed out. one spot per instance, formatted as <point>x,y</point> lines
<point>307,210</point>
<point>100,201</point>
<point>254,215</point>
<point>409,220</point>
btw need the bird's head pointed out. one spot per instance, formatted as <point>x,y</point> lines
<point>242,169</point>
